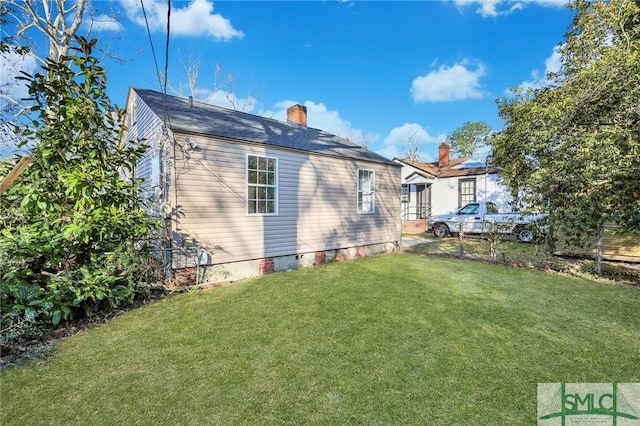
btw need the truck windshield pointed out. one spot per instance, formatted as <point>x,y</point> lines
<point>470,209</point>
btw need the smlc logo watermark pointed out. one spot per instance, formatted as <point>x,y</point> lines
<point>616,404</point>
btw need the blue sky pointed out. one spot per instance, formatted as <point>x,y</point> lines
<point>376,72</point>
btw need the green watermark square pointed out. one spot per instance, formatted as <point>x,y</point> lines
<point>616,404</point>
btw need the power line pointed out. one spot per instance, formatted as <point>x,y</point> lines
<point>166,66</point>
<point>153,52</point>
<point>166,52</point>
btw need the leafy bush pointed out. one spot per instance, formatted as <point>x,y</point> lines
<point>21,339</point>
<point>71,224</point>
<point>16,328</point>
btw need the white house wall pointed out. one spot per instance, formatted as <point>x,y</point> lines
<point>444,192</point>
<point>494,191</point>
<point>146,127</point>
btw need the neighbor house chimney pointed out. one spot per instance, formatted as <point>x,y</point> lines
<point>297,114</point>
<point>443,154</point>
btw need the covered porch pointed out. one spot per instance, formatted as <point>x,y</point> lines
<point>416,203</point>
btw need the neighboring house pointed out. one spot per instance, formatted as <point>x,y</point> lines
<point>245,195</point>
<point>442,186</point>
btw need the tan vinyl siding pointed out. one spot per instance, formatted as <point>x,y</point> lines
<point>317,207</point>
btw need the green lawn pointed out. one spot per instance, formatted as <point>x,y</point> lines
<point>396,339</point>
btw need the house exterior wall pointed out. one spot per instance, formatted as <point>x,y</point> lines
<point>143,125</point>
<point>407,170</point>
<point>316,205</point>
<point>488,188</point>
<point>197,185</point>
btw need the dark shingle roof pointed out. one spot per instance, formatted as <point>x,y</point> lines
<point>211,120</point>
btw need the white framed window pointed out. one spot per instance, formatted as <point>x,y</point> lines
<point>262,185</point>
<point>466,191</point>
<point>366,191</point>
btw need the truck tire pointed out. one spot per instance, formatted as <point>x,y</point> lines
<point>440,230</point>
<point>524,234</point>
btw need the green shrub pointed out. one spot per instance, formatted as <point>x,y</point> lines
<point>21,338</point>
<point>72,223</point>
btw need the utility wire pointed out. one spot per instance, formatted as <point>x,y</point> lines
<point>166,66</point>
<point>162,149</point>
<point>167,125</point>
<point>153,51</point>
<point>166,52</point>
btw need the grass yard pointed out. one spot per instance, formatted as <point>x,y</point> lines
<point>396,339</point>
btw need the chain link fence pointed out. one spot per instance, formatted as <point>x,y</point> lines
<point>609,248</point>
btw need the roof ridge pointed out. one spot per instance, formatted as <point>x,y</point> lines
<point>207,105</point>
<point>213,120</point>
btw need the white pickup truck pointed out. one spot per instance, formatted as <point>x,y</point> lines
<point>483,217</point>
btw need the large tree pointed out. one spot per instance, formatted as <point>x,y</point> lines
<point>58,21</point>
<point>466,140</point>
<point>573,147</point>
<point>25,24</point>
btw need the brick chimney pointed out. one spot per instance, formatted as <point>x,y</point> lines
<point>443,154</point>
<point>297,114</point>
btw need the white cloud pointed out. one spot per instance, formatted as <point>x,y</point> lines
<point>393,145</point>
<point>396,142</point>
<point>195,19</point>
<point>452,83</point>
<point>408,131</point>
<point>228,100</point>
<point>11,65</point>
<point>539,80</point>
<point>105,23</point>
<point>554,62</point>
<point>486,8</point>
<point>494,8</point>
<point>551,3</point>
<point>319,117</point>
